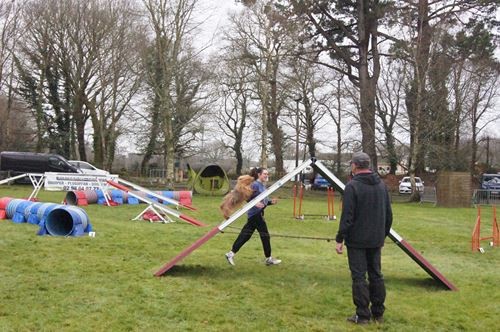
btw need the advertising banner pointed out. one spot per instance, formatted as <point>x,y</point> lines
<point>76,181</point>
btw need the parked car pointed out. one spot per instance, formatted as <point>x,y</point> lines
<point>87,168</point>
<point>320,182</point>
<point>405,185</point>
<point>490,181</point>
<point>17,163</point>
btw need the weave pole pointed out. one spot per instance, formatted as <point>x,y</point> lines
<point>330,195</point>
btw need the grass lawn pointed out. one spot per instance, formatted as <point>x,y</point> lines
<point>106,283</point>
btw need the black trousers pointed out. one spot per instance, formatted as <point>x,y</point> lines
<point>361,262</point>
<point>255,222</point>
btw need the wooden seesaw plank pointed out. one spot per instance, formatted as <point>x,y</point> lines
<point>421,261</point>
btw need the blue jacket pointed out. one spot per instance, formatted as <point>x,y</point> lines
<point>258,188</point>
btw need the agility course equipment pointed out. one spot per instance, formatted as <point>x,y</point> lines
<point>336,183</point>
<point>211,180</point>
<point>298,197</point>
<point>4,201</point>
<point>66,221</point>
<point>36,179</point>
<point>191,176</point>
<point>86,197</point>
<point>476,233</point>
<point>156,207</point>
<point>155,195</point>
<point>53,219</point>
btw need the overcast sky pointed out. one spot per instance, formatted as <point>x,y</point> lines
<point>213,15</point>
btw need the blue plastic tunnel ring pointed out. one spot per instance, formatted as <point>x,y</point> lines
<point>63,221</point>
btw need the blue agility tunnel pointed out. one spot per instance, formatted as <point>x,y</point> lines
<point>66,220</point>
<point>31,213</point>
<point>44,210</point>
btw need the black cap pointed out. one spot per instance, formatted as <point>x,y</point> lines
<point>361,159</point>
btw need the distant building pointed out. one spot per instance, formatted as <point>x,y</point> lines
<point>385,168</point>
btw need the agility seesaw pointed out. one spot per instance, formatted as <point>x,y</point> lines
<point>153,194</point>
<point>156,205</point>
<point>395,237</point>
<point>334,181</point>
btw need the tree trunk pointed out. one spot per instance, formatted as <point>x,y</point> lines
<point>367,31</point>
<point>275,130</point>
<point>80,124</point>
<point>264,118</point>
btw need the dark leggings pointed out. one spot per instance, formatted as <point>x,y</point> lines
<point>254,222</point>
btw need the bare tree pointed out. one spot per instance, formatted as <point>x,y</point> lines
<point>235,89</point>
<point>261,39</point>
<point>9,33</point>
<point>485,94</point>
<point>348,31</point>
<point>390,101</point>
<point>75,64</point>
<point>118,76</point>
<point>421,24</point>
<point>174,75</point>
<point>305,81</point>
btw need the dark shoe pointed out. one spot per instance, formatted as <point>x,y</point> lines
<point>355,319</point>
<point>378,319</point>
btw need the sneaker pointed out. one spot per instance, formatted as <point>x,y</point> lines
<point>355,319</point>
<point>230,258</point>
<point>272,261</point>
<point>378,319</point>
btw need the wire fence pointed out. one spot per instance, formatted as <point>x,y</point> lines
<point>157,173</point>
<point>486,197</point>
<point>429,195</point>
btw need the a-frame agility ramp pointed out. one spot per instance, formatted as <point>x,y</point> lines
<point>334,181</point>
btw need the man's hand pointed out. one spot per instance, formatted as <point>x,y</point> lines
<point>260,205</point>
<point>274,201</point>
<point>339,246</point>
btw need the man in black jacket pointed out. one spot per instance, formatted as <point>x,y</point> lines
<point>366,221</point>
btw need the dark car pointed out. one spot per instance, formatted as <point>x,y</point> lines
<point>17,163</point>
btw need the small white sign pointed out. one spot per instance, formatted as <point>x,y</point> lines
<point>92,234</point>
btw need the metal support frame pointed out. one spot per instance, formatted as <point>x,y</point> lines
<point>35,178</point>
<point>102,187</point>
<point>37,182</point>
<point>164,218</point>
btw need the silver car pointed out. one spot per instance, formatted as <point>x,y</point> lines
<point>87,168</point>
